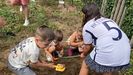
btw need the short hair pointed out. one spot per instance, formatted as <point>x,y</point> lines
<point>91,11</point>
<point>58,35</point>
<point>45,33</point>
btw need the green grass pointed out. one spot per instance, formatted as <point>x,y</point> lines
<point>130,70</point>
<point>44,14</point>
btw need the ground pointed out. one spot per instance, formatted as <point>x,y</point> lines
<point>66,18</point>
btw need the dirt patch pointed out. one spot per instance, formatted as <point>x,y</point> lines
<point>71,68</point>
<point>66,19</point>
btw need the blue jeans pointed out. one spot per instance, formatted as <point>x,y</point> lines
<point>21,71</point>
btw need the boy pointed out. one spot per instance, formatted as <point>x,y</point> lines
<point>56,49</point>
<point>26,53</point>
<point>23,7</point>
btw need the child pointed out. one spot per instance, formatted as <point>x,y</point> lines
<point>75,42</point>
<point>26,53</point>
<point>111,52</point>
<point>55,50</point>
<point>23,7</point>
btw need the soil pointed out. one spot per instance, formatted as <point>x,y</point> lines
<point>66,18</point>
<point>67,21</point>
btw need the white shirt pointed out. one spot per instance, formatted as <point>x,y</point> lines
<point>112,46</point>
<point>24,52</point>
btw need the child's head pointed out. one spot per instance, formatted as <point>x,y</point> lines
<point>90,11</point>
<point>58,36</point>
<point>79,32</point>
<point>44,36</point>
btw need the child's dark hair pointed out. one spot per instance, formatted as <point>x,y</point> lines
<point>58,35</point>
<point>45,33</point>
<point>90,11</point>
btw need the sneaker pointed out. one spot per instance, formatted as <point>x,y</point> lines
<point>26,23</point>
<point>61,2</point>
<point>21,8</point>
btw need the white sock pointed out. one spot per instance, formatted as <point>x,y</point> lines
<point>21,8</point>
<point>26,19</point>
<point>26,23</point>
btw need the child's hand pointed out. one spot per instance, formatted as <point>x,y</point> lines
<point>68,43</point>
<point>82,55</point>
<point>49,57</point>
<point>62,52</point>
<point>80,44</point>
<point>80,49</point>
<point>51,65</point>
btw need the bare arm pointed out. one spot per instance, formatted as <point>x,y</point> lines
<point>41,64</point>
<point>72,39</point>
<point>48,52</point>
<point>87,48</point>
<point>76,44</point>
